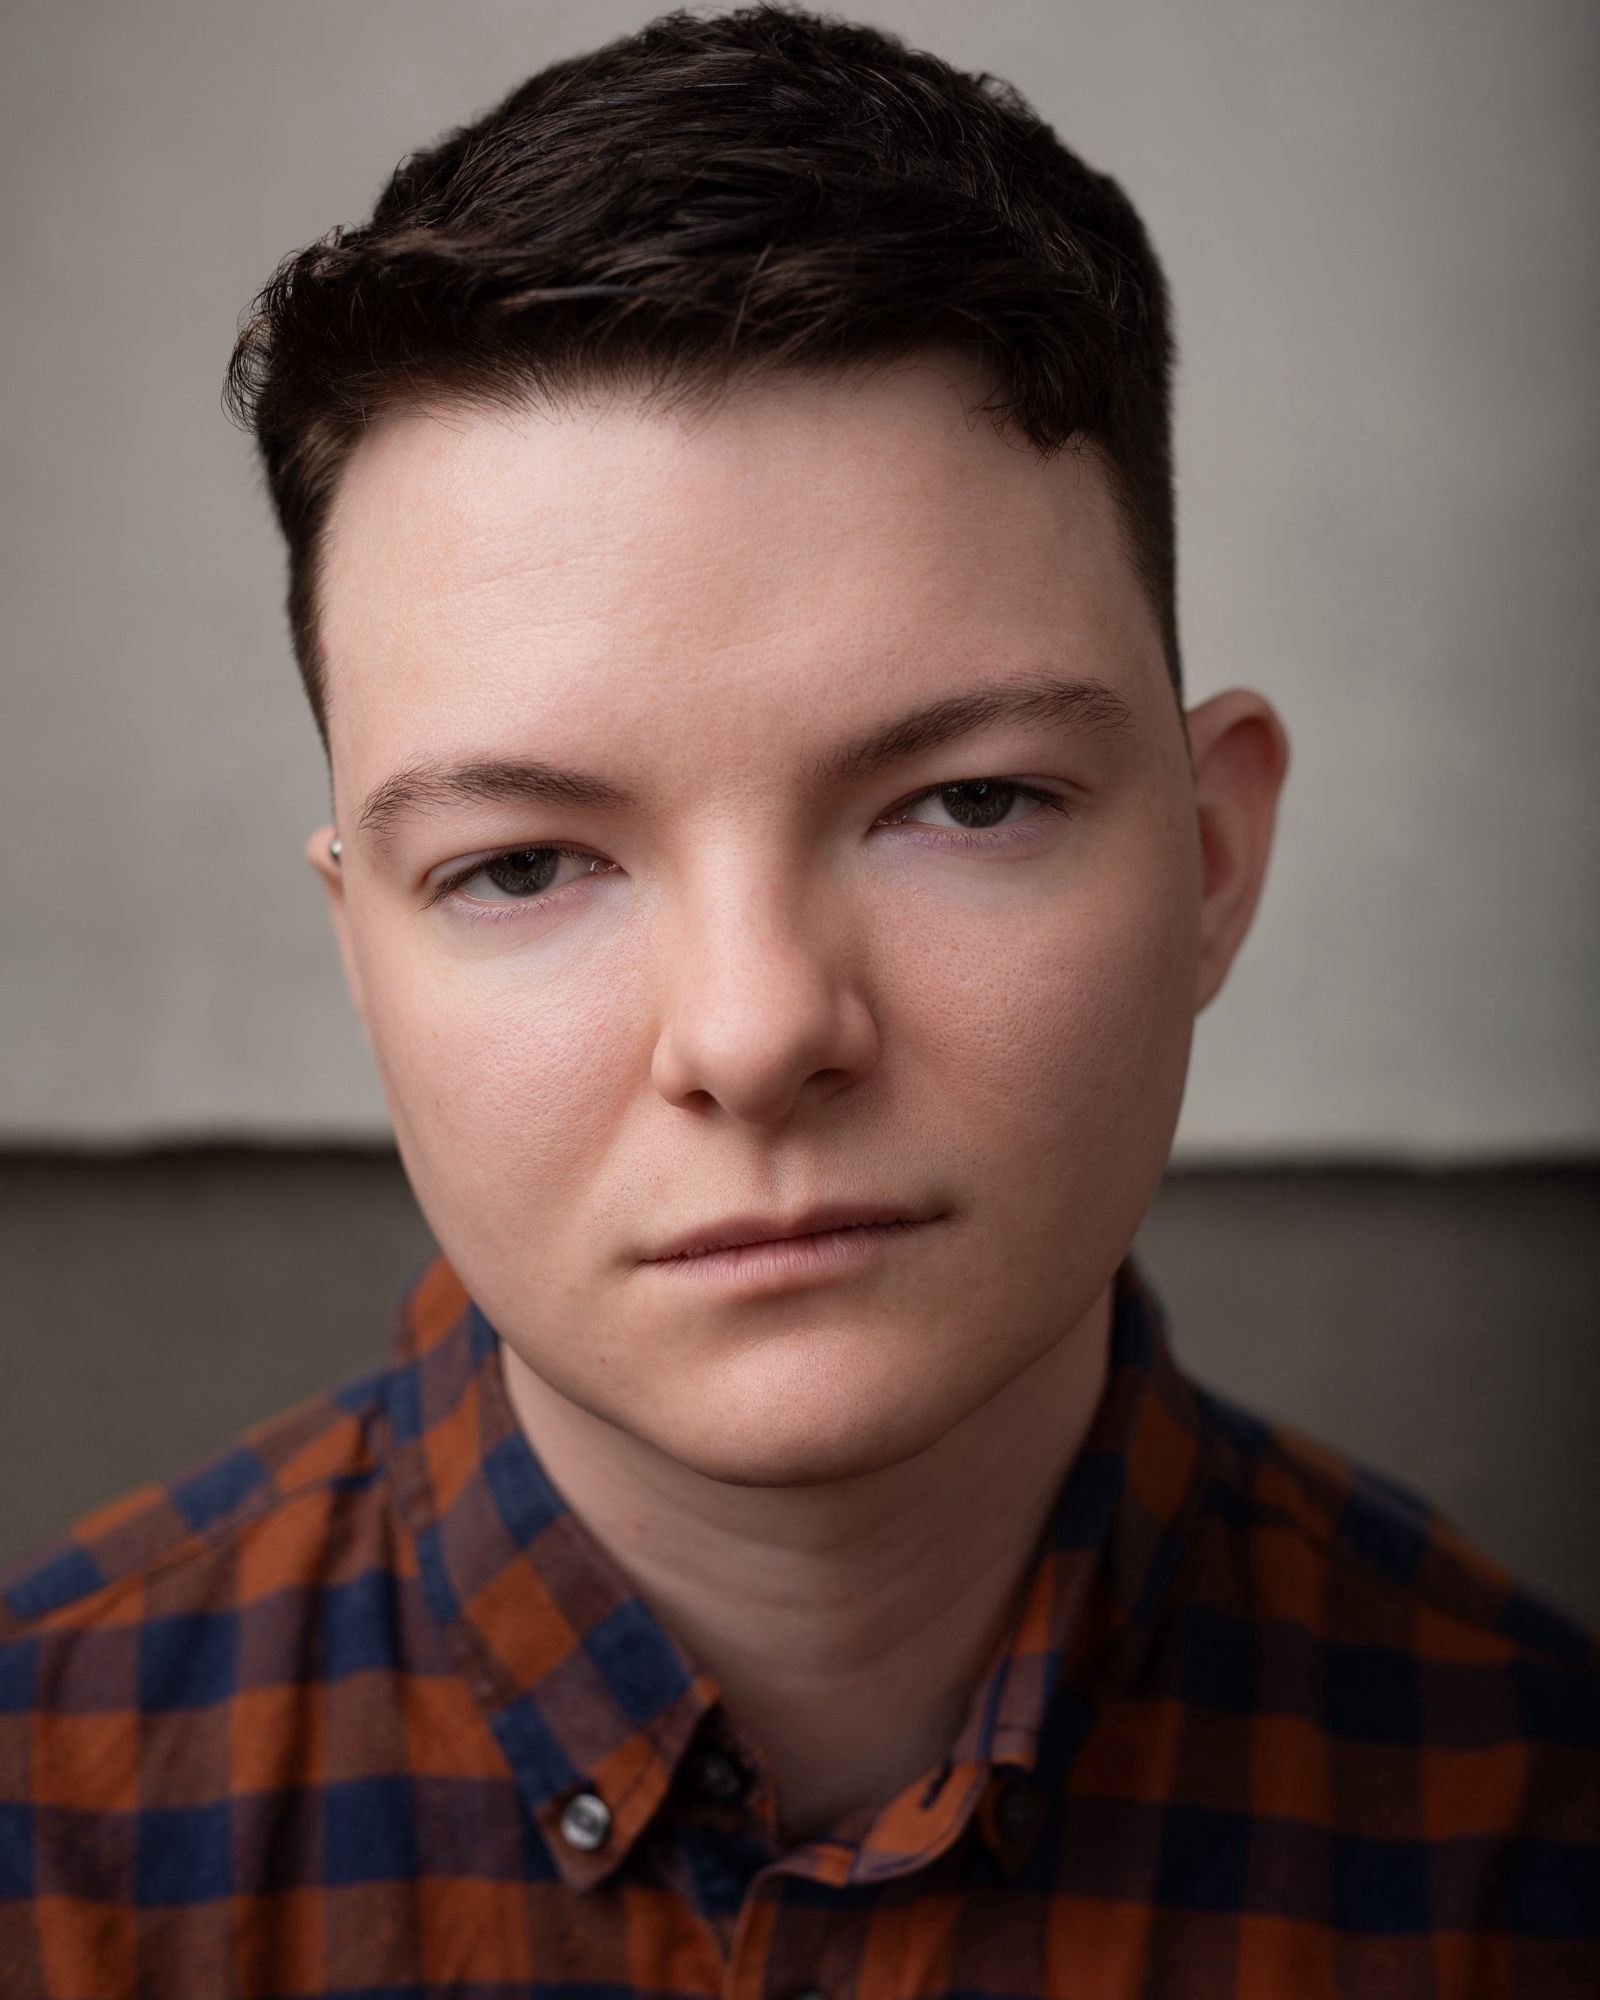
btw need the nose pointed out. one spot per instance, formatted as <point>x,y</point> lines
<point>762,1001</point>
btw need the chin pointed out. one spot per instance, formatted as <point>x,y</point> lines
<point>792,1440</point>
<point>790,1465</point>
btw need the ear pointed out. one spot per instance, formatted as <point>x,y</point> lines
<point>1239,751</point>
<point>319,852</point>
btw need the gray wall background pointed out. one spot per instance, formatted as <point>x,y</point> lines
<point>1379,222</point>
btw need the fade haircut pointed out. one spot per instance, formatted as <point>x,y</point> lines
<point>715,198</point>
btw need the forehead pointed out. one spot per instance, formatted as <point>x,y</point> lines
<point>799,539</point>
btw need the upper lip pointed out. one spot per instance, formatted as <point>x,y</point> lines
<point>733,1230</point>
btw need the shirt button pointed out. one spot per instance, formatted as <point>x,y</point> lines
<point>715,1775</point>
<point>585,1821</point>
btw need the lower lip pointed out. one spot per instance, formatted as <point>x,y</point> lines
<point>791,1260</point>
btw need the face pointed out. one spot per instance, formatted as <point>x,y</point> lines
<point>956,976</point>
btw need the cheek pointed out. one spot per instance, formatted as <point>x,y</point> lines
<point>503,1083</point>
<point>1075,1034</point>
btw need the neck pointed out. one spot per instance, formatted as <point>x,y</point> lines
<point>846,1625</point>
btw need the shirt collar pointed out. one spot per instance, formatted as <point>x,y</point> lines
<point>586,1691</point>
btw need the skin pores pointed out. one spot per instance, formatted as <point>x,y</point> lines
<point>776,988</point>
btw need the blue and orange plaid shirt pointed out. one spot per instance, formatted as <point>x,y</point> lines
<point>359,1707</point>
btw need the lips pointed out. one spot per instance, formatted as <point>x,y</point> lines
<point>734,1230</point>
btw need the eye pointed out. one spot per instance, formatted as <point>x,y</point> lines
<point>979,806</point>
<point>520,875</point>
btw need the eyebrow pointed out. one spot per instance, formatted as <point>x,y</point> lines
<point>1040,700</point>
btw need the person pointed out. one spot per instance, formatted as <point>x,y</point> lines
<point>728,499</point>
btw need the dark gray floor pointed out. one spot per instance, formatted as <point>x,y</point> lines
<point>1441,1326</point>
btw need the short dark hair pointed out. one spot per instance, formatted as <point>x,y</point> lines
<point>763,189</point>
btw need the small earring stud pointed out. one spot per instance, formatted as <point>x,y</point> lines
<point>336,847</point>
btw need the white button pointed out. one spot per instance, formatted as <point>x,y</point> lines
<point>585,1821</point>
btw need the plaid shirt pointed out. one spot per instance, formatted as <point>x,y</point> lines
<point>359,1707</point>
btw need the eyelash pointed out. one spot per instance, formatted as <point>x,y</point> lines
<point>964,838</point>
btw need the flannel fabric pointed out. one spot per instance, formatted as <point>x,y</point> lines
<point>360,1708</point>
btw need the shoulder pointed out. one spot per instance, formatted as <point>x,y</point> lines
<point>183,1671</point>
<point>181,1547</point>
<point>1365,1559</point>
<point>1405,1690</point>
<point>1419,1728</point>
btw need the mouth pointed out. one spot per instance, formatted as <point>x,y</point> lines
<point>736,1232</point>
<point>778,1263</point>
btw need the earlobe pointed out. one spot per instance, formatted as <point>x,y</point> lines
<point>324,854</point>
<point>1240,755</point>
